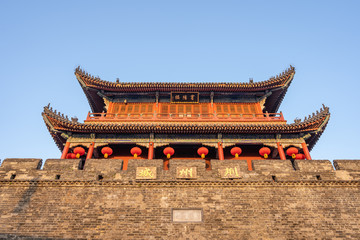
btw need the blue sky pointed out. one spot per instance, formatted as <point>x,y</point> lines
<point>42,42</point>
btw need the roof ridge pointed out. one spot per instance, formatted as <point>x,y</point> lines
<point>282,77</point>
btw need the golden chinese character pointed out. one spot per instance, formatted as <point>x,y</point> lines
<point>192,96</point>
<point>184,97</point>
<point>231,172</point>
<point>177,97</point>
<point>146,173</point>
<point>184,172</point>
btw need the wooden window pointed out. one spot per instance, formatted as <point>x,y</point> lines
<point>122,109</point>
<point>246,109</point>
<point>164,109</point>
<point>204,109</point>
<point>239,108</point>
<point>188,109</point>
<point>196,109</point>
<point>116,108</point>
<point>172,109</point>
<point>252,108</point>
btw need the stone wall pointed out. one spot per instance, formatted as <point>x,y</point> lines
<point>298,199</point>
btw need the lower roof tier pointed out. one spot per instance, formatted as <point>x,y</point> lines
<point>60,127</point>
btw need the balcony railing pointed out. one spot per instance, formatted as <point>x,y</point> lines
<point>263,117</point>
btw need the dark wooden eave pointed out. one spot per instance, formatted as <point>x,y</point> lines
<point>93,86</point>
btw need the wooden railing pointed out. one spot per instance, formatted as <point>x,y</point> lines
<point>185,117</point>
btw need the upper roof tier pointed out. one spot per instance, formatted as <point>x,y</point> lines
<point>274,88</point>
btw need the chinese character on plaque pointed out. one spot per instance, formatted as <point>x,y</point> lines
<point>184,97</point>
<point>230,172</point>
<point>186,172</point>
<point>146,173</point>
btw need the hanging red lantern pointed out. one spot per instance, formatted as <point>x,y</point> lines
<point>79,151</point>
<point>235,151</point>
<point>292,152</point>
<point>169,151</point>
<point>300,156</point>
<point>136,151</point>
<point>106,151</point>
<point>72,156</point>
<point>203,151</point>
<point>264,152</point>
<point>69,156</point>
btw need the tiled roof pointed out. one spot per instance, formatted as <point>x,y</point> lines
<point>277,85</point>
<point>90,81</point>
<point>58,124</point>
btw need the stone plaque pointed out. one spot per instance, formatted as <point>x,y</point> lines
<point>186,172</point>
<point>146,173</point>
<point>230,172</point>
<point>187,215</point>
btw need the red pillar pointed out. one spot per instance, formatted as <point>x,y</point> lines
<point>249,163</point>
<point>151,151</point>
<point>125,164</point>
<point>166,164</point>
<point>281,151</point>
<point>306,151</point>
<point>220,151</point>
<point>90,151</point>
<point>66,150</point>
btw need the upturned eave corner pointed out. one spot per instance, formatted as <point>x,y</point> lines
<point>319,121</point>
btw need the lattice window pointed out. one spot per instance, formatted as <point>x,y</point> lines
<point>239,108</point>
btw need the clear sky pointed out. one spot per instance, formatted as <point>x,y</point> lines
<point>42,42</point>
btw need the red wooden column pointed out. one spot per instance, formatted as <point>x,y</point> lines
<point>220,151</point>
<point>281,151</point>
<point>249,163</point>
<point>166,164</point>
<point>151,151</point>
<point>66,150</point>
<point>306,151</point>
<point>90,151</point>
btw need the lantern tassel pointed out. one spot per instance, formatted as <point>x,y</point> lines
<point>202,155</point>
<point>236,155</point>
<point>106,155</point>
<point>265,155</point>
<point>78,155</point>
<point>168,155</point>
<point>135,155</point>
<point>293,155</point>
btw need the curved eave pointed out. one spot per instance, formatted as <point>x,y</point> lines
<point>314,126</point>
<point>274,101</point>
<point>315,135</point>
<point>55,134</point>
<point>277,85</point>
<point>95,101</point>
<point>96,83</point>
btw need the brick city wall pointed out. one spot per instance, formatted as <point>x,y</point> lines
<point>278,200</point>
